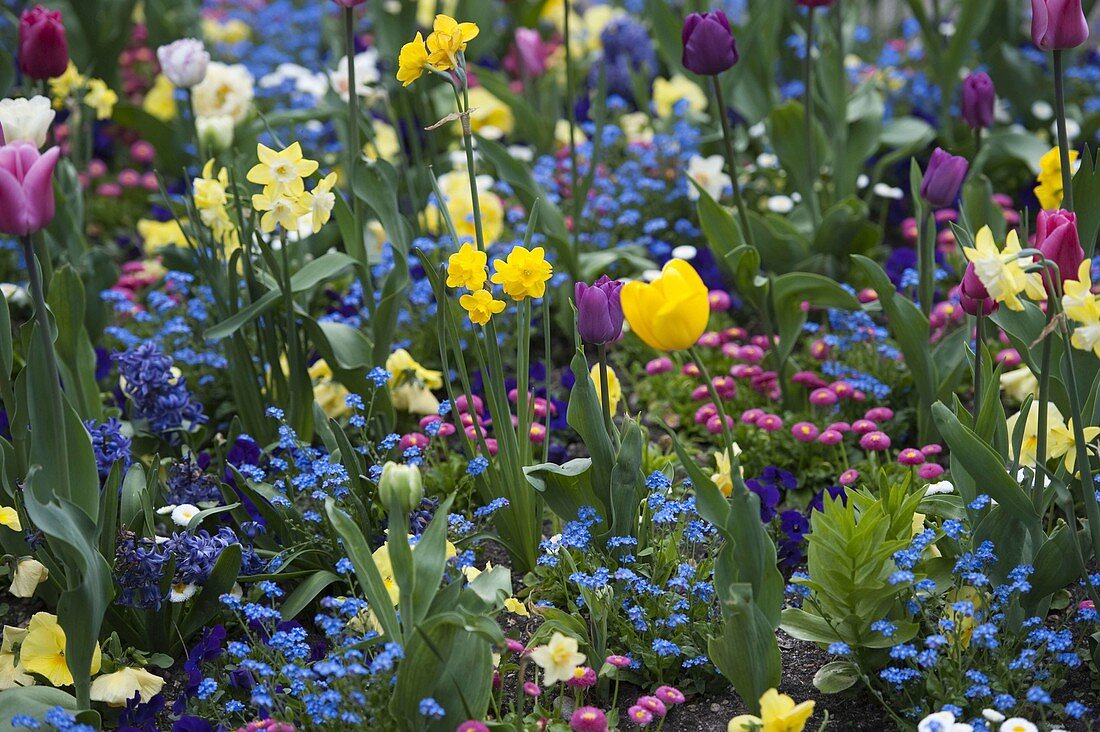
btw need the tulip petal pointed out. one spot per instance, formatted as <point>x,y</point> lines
<point>13,205</point>
<point>38,187</point>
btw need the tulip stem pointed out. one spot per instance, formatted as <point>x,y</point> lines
<point>1063,134</point>
<point>979,341</point>
<point>574,186</point>
<point>605,393</point>
<point>926,261</point>
<point>731,162</point>
<point>1041,434</point>
<point>811,140</point>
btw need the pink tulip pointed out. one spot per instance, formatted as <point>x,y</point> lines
<point>43,48</point>
<point>1058,25</point>
<point>26,188</point>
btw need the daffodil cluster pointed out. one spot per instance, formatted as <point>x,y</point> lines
<point>443,50</point>
<point>284,200</point>
<point>522,274</point>
<point>211,194</point>
<point>74,87</point>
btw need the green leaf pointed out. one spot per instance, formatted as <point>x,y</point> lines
<point>746,651</point>
<point>565,488</point>
<point>306,592</point>
<point>366,571</point>
<point>585,415</point>
<point>243,317</point>
<point>836,676</point>
<point>786,130</point>
<point>719,227</point>
<point>1086,199</point>
<point>33,701</point>
<point>342,346</point>
<point>320,270</point>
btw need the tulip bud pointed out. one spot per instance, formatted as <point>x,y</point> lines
<point>709,45</point>
<point>943,178</point>
<point>184,62</point>
<point>1057,238</point>
<point>216,132</point>
<point>973,296</point>
<point>599,311</point>
<point>26,188</point>
<point>402,482</point>
<point>1058,25</point>
<point>43,48</point>
<point>978,99</point>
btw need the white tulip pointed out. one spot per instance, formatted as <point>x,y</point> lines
<point>26,120</point>
<point>184,62</point>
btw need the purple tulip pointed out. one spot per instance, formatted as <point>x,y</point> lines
<point>532,51</point>
<point>26,188</point>
<point>709,45</point>
<point>978,100</point>
<point>1057,238</point>
<point>973,296</point>
<point>1058,25</point>
<point>943,178</point>
<point>43,48</point>
<point>599,312</point>
<point>349,3</point>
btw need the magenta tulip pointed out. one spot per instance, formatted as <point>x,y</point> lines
<point>1057,238</point>
<point>43,48</point>
<point>973,296</point>
<point>26,188</point>
<point>1058,25</point>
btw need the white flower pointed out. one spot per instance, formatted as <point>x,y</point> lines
<point>780,204</point>
<point>184,62</point>
<point>29,573</point>
<point>709,174</point>
<point>225,90</point>
<point>215,132</point>
<point>26,120</point>
<point>557,659</point>
<point>942,722</point>
<point>882,190</point>
<point>182,514</point>
<point>182,592</point>
<point>944,486</point>
<point>1018,724</point>
<point>685,251</point>
<point>366,74</point>
<point>117,688</point>
<point>992,715</point>
<point>15,294</point>
<point>1042,111</point>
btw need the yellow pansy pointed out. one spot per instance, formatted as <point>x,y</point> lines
<point>29,573</point>
<point>447,40</point>
<point>282,209</point>
<point>1063,442</point>
<point>10,517</point>
<point>558,658</point>
<point>101,98</point>
<point>489,117</point>
<point>481,306</point>
<point>524,273</point>
<point>516,607</point>
<point>160,101</point>
<point>1049,190</point>
<point>668,92</point>
<point>117,688</point>
<point>466,268</point>
<point>43,650</point>
<point>1002,272</point>
<point>412,60</point>
<point>329,393</point>
<point>11,673</point>
<point>384,565</point>
<point>778,713</point>
<point>614,388</point>
<point>160,234</point>
<point>282,171</point>
<point>321,201</point>
<point>411,384</point>
<point>671,312</point>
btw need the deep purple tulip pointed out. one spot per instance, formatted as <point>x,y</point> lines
<point>599,312</point>
<point>1058,25</point>
<point>26,188</point>
<point>709,45</point>
<point>943,178</point>
<point>43,48</point>
<point>978,99</point>
<point>1057,238</point>
<point>973,296</point>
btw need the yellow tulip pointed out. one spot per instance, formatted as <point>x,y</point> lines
<point>671,312</point>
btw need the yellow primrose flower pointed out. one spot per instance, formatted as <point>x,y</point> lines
<point>1063,442</point>
<point>62,87</point>
<point>614,388</point>
<point>411,384</point>
<point>524,273</point>
<point>1078,301</point>
<point>668,92</point>
<point>1030,440</point>
<point>558,658</point>
<point>101,98</point>
<point>321,201</point>
<point>481,306</point>
<point>282,209</point>
<point>116,689</point>
<point>10,517</point>
<point>1049,190</point>
<point>466,268</point>
<point>1002,272</point>
<point>43,650</point>
<point>490,117</point>
<point>160,101</point>
<point>282,171</point>
<point>29,573</point>
<point>448,39</point>
<point>778,713</point>
<point>671,312</point>
<point>412,60</point>
<point>158,235</point>
<point>11,673</point>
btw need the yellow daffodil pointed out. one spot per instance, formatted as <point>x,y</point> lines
<point>412,60</point>
<point>160,234</point>
<point>668,92</point>
<point>524,273</point>
<point>1002,272</point>
<point>1019,383</point>
<point>1078,301</point>
<point>1086,336</point>
<point>1049,191</point>
<point>282,171</point>
<point>210,193</point>
<point>115,689</point>
<point>10,517</point>
<point>466,268</point>
<point>321,201</point>
<point>1029,445</point>
<point>230,32</point>
<point>723,474</point>
<point>281,209</point>
<point>671,312</point>
<point>11,673</point>
<point>558,658</point>
<point>1063,442</point>
<point>160,101</point>
<point>481,306</point>
<point>447,40</point>
<point>459,201</point>
<point>101,98</point>
<point>778,713</point>
<point>614,388</point>
<point>29,573</point>
<point>411,384</point>
<point>43,650</point>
